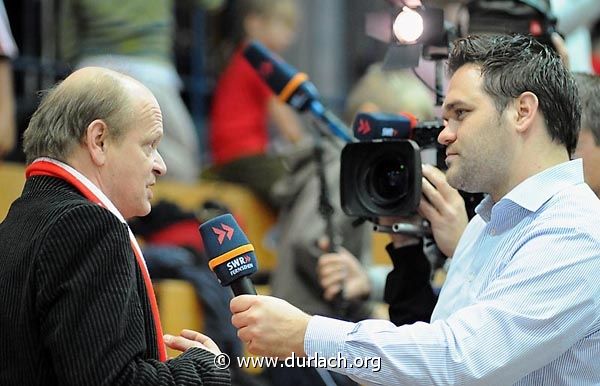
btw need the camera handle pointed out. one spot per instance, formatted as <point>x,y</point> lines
<point>403,228</point>
<point>326,210</point>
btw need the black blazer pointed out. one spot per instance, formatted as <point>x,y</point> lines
<point>74,309</point>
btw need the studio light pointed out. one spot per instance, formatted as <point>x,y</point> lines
<point>408,26</point>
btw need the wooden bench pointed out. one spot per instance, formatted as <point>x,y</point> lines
<point>12,179</point>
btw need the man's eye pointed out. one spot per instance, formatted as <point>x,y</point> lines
<point>460,113</point>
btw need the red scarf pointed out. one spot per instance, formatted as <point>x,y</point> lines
<point>51,167</point>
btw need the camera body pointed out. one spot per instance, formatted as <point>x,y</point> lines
<point>381,174</point>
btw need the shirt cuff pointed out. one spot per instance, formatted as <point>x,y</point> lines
<point>326,337</point>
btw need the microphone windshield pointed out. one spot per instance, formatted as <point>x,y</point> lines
<point>271,68</point>
<point>231,256</point>
<point>290,85</point>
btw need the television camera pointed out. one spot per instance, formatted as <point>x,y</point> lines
<point>381,174</point>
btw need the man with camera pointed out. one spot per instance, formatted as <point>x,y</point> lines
<point>408,290</point>
<point>520,303</point>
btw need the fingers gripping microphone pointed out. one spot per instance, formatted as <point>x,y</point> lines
<point>231,255</point>
<point>292,87</point>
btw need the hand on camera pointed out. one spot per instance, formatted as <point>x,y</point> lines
<point>399,239</point>
<point>444,208</point>
<point>341,270</point>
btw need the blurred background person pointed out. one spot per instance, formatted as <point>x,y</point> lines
<point>588,146</point>
<point>136,38</point>
<point>243,106</point>
<point>595,40</point>
<point>8,50</point>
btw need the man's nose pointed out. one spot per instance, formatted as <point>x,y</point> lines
<point>447,136</point>
<point>160,168</point>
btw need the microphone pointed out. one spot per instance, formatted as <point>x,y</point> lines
<point>370,126</point>
<point>231,256</point>
<point>292,87</point>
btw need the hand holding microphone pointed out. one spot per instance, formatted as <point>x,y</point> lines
<point>268,325</point>
<point>231,255</point>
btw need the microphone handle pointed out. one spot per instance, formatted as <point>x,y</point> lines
<point>337,127</point>
<point>243,286</point>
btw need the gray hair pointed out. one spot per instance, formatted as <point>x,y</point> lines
<point>67,109</point>
<point>392,92</point>
<point>589,94</point>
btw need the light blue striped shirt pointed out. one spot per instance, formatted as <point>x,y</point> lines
<point>521,303</point>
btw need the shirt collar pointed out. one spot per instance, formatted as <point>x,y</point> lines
<point>532,193</point>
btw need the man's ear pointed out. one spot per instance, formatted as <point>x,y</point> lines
<point>526,106</point>
<point>95,141</point>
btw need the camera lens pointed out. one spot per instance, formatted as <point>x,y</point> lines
<point>380,178</point>
<point>387,180</point>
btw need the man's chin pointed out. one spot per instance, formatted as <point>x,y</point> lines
<point>141,212</point>
<point>146,210</point>
<point>454,178</point>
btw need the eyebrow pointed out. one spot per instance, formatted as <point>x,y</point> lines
<point>451,106</point>
<point>448,108</point>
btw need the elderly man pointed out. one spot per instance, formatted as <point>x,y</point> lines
<point>77,302</point>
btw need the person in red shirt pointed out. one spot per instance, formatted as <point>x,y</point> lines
<point>243,105</point>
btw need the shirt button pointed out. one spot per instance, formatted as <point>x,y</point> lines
<point>493,232</point>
